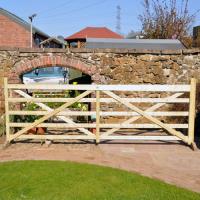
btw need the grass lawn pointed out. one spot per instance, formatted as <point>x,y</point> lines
<point>59,180</point>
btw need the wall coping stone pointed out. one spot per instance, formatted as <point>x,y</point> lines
<point>116,51</point>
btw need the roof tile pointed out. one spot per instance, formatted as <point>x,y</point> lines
<point>94,32</point>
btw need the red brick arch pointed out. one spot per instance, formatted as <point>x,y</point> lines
<point>25,66</point>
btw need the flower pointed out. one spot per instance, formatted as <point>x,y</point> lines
<point>79,105</point>
<point>84,108</point>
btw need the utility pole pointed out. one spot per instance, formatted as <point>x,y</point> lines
<point>31,36</point>
<point>118,19</point>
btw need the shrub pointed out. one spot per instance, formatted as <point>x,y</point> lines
<point>2,125</point>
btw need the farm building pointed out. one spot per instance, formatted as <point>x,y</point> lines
<point>153,44</point>
<point>78,40</point>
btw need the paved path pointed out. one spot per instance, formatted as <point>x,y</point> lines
<point>173,163</point>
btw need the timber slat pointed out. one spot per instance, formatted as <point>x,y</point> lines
<point>93,125</point>
<point>102,100</point>
<point>111,113</point>
<point>81,137</point>
<point>133,88</point>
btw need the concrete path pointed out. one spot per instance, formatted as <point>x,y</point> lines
<point>173,163</point>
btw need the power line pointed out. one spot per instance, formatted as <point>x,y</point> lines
<point>43,12</point>
<point>74,10</point>
<point>79,18</point>
<point>54,8</point>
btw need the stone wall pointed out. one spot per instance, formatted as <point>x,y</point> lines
<point>105,66</point>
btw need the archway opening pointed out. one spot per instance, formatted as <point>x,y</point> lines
<point>56,75</point>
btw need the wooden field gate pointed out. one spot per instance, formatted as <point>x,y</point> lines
<point>98,96</point>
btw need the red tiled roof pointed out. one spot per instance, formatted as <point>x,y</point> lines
<point>94,32</point>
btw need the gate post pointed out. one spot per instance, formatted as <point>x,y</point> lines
<point>6,110</point>
<point>192,111</point>
<point>97,116</point>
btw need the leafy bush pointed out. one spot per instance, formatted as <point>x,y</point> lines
<point>2,125</point>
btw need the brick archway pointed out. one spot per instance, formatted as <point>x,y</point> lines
<point>25,66</point>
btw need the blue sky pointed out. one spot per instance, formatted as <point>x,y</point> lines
<point>64,17</point>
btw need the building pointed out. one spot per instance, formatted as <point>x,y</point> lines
<point>15,32</point>
<point>53,42</point>
<point>103,38</point>
<point>196,36</point>
<point>150,44</point>
<point>77,40</point>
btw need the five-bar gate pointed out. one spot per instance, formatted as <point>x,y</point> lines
<point>120,111</point>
